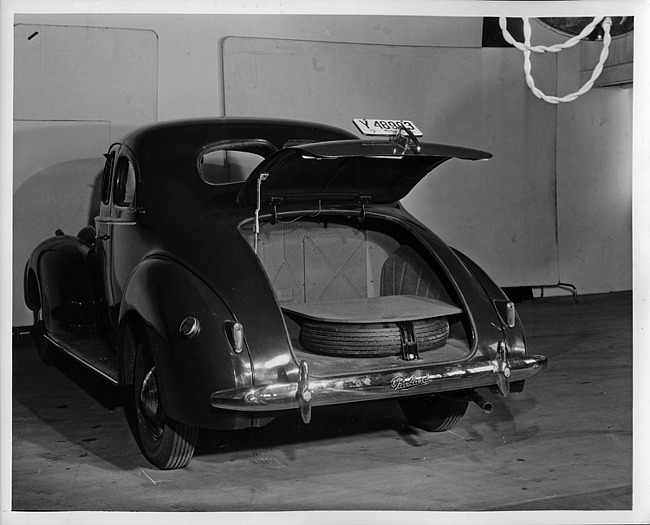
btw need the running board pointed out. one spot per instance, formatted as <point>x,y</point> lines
<point>93,352</point>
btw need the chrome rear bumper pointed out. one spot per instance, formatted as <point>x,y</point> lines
<point>316,391</point>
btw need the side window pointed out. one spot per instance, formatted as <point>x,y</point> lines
<point>124,190</point>
<point>223,167</point>
<point>106,176</point>
<point>231,161</point>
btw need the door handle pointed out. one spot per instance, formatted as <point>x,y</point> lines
<point>103,237</point>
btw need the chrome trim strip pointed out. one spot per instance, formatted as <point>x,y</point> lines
<point>380,385</point>
<point>116,221</point>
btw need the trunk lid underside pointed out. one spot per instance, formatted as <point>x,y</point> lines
<point>348,171</point>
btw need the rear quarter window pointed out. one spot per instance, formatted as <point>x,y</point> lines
<point>106,177</point>
<point>124,191</point>
<point>232,161</point>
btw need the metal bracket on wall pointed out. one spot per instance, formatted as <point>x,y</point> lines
<point>18,331</point>
<point>565,286</point>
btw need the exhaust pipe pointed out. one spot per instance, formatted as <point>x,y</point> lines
<point>485,405</point>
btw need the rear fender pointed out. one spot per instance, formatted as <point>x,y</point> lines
<point>514,336</point>
<point>60,277</point>
<point>160,295</point>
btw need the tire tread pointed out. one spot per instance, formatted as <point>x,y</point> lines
<point>434,413</point>
<point>373,339</point>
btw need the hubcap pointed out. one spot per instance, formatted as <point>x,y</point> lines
<point>149,399</point>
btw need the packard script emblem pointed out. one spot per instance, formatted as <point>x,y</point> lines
<point>404,383</point>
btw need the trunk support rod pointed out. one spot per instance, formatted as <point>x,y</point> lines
<point>262,177</point>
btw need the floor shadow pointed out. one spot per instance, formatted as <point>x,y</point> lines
<point>327,422</point>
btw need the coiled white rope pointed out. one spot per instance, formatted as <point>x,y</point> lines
<point>527,49</point>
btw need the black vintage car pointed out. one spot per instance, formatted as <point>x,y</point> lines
<point>240,268</point>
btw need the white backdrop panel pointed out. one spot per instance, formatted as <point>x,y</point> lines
<point>85,73</point>
<point>502,213</point>
<point>76,89</point>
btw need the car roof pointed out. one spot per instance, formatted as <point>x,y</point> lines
<point>167,156</point>
<point>189,136</point>
<point>379,171</point>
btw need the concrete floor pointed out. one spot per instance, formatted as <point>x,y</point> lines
<point>565,443</point>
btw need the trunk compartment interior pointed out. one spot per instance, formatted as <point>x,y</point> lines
<point>341,279</point>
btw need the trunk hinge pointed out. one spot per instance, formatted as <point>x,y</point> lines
<point>274,202</point>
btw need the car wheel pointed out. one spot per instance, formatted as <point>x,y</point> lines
<point>434,413</point>
<point>43,346</point>
<point>166,443</point>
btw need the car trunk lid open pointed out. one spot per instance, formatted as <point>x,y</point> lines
<point>347,171</point>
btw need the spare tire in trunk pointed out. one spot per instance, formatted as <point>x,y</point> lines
<point>370,339</point>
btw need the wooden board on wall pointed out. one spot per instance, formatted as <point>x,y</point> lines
<point>76,90</point>
<point>502,213</point>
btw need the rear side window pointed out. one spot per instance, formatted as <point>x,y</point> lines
<point>106,176</point>
<point>124,191</point>
<point>232,161</point>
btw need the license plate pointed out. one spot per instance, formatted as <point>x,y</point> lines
<point>384,127</point>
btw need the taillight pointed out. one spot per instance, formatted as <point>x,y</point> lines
<point>237,337</point>
<point>507,312</point>
<point>235,334</point>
